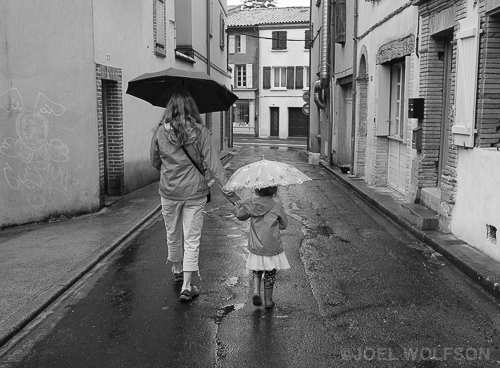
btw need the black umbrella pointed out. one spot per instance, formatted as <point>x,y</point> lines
<point>157,88</point>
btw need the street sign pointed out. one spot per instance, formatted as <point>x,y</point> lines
<point>305,108</point>
<point>306,96</point>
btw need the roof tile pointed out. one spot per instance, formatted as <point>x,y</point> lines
<point>268,16</point>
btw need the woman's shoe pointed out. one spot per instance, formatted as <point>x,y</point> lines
<point>188,295</point>
<point>257,300</point>
<point>268,297</point>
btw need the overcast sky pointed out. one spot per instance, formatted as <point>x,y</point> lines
<point>279,2</point>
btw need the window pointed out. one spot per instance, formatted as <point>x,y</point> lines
<point>396,110</point>
<point>279,77</point>
<point>307,38</point>
<point>340,21</point>
<point>159,27</point>
<point>222,33</point>
<point>241,76</point>
<point>241,113</point>
<point>279,40</point>
<point>237,44</point>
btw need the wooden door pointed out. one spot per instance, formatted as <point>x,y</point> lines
<point>275,121</point>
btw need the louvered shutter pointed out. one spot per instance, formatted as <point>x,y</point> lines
<point>340,21</point>
<point>231,44</point>
<point>290,77</point>
<point>243,44</point>
<point>266,77</point>
<point>299,77</point>
<point>466,82</point>
<point>275,40</point>
<point>307,38</point>
<point>249,76</point>
<point>282,40</point>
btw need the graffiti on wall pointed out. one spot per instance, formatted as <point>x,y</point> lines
<point>34,163</point>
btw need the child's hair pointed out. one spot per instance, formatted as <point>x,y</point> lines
<point>266,192</point>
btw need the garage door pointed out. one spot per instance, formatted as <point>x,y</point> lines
<point>297,122</point>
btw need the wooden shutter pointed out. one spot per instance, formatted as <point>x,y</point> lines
<point>243,44</point>
<point>266,77</point>
<point>340,21</point>
<point>249,76</point>
<point>231,44</point>
<point>282,44</point>
<point>307,38</point>
<point>299,77</point>
<point>384,100</point>
<point>290,77</point>
<point>466,82</point>
<point>275,40</point>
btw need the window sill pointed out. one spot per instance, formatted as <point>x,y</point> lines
<point>183,57</point>
<point>395,138</point>
<point>279,50</point>
<point>279,89</point>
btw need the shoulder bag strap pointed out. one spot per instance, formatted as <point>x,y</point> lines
<point>192,161</point>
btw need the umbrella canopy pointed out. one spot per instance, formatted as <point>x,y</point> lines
<point>265,173</point>
<point>157,88</point>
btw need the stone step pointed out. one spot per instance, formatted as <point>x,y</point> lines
<point>420,216</point>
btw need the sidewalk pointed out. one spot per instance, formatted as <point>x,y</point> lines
<point>39,262</point>
<point>476,265</point>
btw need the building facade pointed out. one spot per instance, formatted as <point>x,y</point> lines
<point>70,136</point>
<point>278,49</point>
<point>425,105</point>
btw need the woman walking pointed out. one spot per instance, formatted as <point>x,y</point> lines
<point>182,149</point>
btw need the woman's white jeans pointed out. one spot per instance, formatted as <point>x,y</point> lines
<point>183,223</point>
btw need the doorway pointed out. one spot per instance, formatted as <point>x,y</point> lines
<point>275,122</point>
<point>297,122</point>
<point>445,124</point>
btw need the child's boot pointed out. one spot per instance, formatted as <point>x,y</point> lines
<point>257,277</point>
<point>268,297</point>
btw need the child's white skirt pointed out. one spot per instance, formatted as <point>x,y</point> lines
<point>256,262</point>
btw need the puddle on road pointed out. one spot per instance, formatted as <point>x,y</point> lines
<point>232,281</point>
<point>323,230</point>
<point>225,311</point>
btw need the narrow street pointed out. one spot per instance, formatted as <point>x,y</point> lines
<point>361,292</point>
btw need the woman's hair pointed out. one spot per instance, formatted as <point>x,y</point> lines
<point>266,192</point>
<point>181,112</point>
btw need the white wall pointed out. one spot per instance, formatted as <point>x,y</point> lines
<point>295,55</point>
<point>478,200</point>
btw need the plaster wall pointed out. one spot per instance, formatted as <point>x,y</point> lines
<point>477,200</point>
<point>371,38</point>
<point>314,111</point>
<point>295,55</point>
<point>48,131</point>
<point>133,28</point>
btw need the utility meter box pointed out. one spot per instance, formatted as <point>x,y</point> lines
<point>416,142</point>
<point>415,108</point>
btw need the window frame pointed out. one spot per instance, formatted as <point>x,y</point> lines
<point>282,75</point>
<point>240,76</point>
<point>397,101</point>
<point>160,28</point>
<point>279,41</point>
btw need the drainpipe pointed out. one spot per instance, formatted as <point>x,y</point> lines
<point>355,84</point>
<point>208,37</point>
<point>324,81</point>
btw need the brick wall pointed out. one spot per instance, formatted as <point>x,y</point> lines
<point>110,131</point>
<point>362,108</point>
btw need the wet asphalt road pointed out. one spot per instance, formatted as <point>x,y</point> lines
<point>361,293</point>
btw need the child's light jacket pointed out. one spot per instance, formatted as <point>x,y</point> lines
<point>267,218</point>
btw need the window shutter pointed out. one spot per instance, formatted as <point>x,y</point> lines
<point>283,40</point>
<point>249,76</point>
<point>266,77</point>
<point>340,21</point>
<point>307,38</point>
<point>299,77</point>
<point>290,77</point>
<point>275,40</point>
<point>243,40</point>
<point>233,73</point>
<point>384,100</point>
<point>466,82</point>
<point>231,44</point>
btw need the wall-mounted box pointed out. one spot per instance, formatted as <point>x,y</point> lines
<point>416,141</point>
<point>415,108</point>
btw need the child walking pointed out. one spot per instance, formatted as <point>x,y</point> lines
<point>266,255</point>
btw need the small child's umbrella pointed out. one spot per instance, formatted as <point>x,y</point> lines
<point>265,173</point>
